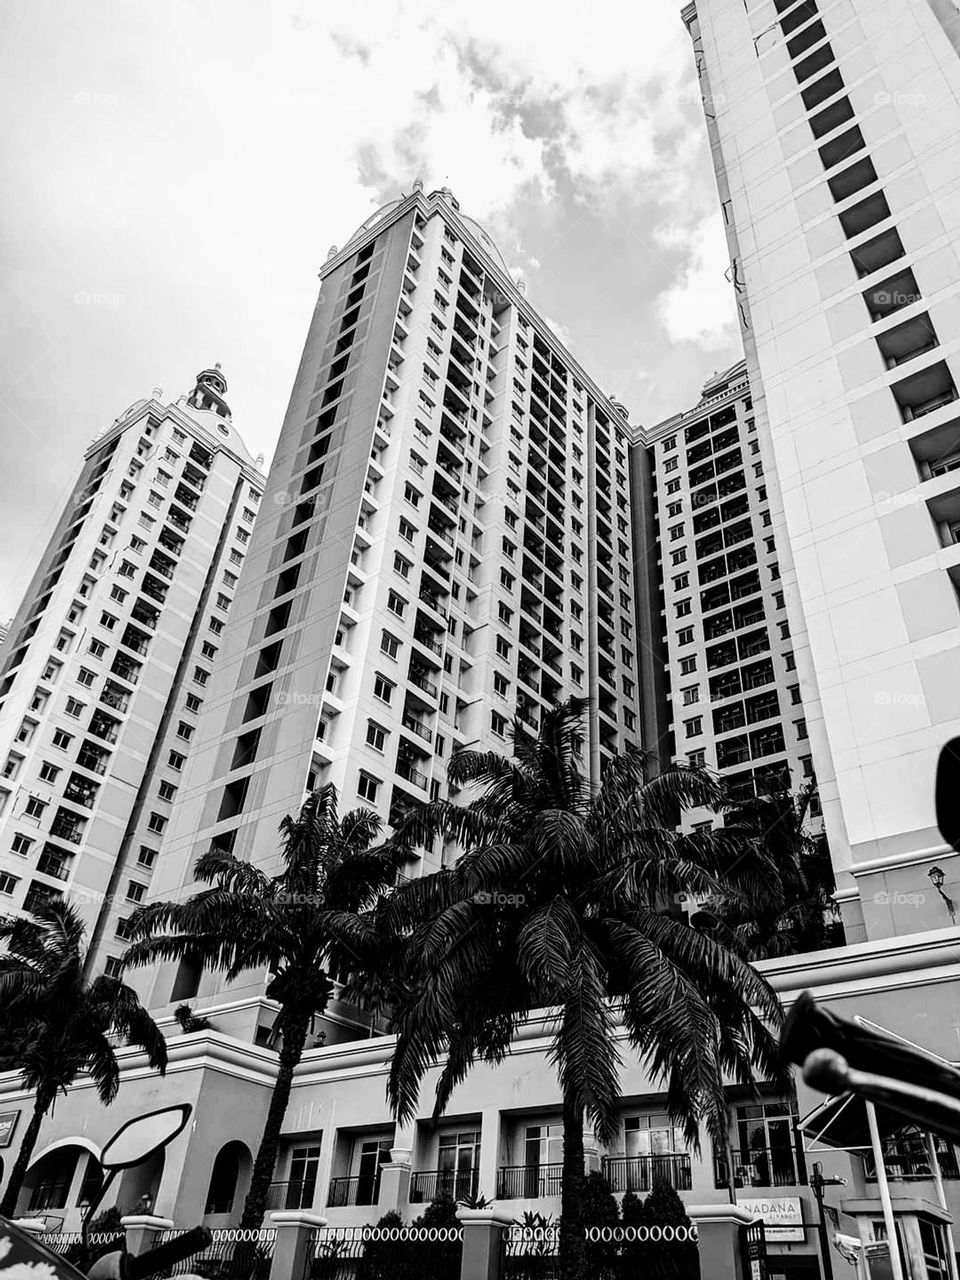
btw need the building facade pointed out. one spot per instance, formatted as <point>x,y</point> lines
<point>835,141</point>
<point>445,536</point>
<point>731,695</point>
<point>103,673</point>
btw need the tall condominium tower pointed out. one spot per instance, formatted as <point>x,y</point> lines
<point>835,131</point>
<point>731,698</point>
<point>104,670</point>
<point>445,538</point>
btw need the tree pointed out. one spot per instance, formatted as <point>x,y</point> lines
<point>599,1210</point>
<point>564,899</point>
<point>777,900</point>
<point>668,1259</point>
<point>249,920</point>
<point>55,1024</point>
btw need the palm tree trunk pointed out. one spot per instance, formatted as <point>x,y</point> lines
<point>291,1051</point>
<point>573,1247</point>
<point>8,1206</point>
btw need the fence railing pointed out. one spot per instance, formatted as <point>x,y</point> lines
<point>613,1253</point>
<point>291,1195</point>
<point>529,1181</point>
<point>762,1167</point>
<point>906,1164</point>
<point>233,1254</point>
<point>639,1173</point>
<point>63,1241</point>
<point>362,1189</point>
<point>381,1253</point>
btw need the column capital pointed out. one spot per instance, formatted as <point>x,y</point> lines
<point>146,1222</point>
<point>297,1218</point>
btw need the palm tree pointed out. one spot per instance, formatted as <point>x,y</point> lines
<point>55,1024</point>
<point>564,900</point>
<point>777,901</point>
<point>247,920</point>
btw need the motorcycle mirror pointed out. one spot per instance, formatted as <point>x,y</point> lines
<point>140,1138</point>
<point>948,793</point>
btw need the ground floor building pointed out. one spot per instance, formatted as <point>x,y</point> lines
<point>343,1156</point>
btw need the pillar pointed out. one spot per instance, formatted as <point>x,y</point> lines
<point>394,1191</point>
<point>143,1231</point>
<point>591,1152</point>
<point>718,1226</point>
<point>482,1242</point>
<point>293,1249</point>
<point>489,1152</point>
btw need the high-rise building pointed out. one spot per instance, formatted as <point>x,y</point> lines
<point>103,674</point>
<point>731,696</point>
<point>835,133</point>
<point>445,538</point>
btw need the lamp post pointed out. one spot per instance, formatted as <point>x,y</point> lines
<point>937,878</point>
<point>817,1184</point>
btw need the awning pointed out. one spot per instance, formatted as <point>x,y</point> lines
<point>842,1123</point>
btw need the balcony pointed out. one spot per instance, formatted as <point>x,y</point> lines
<point>762,1167</point>
<point>529,1181</point>
<point>364,1189</point>
<point>48,864</point>
<point>406,771</point>
<point>906,1162</point>
<point>422,681</point>
<point>639,1173</point>
<point>418,727</point>
<point>291,1195</point>
<point>457,1183</point>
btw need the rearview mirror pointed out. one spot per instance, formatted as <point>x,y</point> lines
<point>139,1139</point>
<point>948,793</point>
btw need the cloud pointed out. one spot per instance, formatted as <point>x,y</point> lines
<point>700,306</point>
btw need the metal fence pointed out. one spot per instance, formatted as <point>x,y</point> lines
<point>233,1254</point>
<point>63,1241</point>
<point>385,1253</point>
<point>665,1251</point>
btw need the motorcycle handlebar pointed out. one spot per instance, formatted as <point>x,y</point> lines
<point>166,1255</point>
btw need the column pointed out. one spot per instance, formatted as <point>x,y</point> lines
<point>718,1226</point>
<point>143,1231</point>
<point>293,1249</point>
<point>489,1152</point>
<point>591,1152</point>
<point>394,1194</point>
<point>482,1242</point>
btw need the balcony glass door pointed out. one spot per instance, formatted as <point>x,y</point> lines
<point>371,1156</point>
<point>304,1167</point>
<point>767,1146</point>
<point>543,1160</point>
<point>458,1162</point>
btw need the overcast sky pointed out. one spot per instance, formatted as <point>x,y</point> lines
<point>175,172</point>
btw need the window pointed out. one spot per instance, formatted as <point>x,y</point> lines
<point>376,735</point>
<point>7,882</point>
<point>794,691</point>
<point>86,677</point>
<point>676,532</point>
<point>687,666</point>
<point>396,604</point>
<point>801,728</point>
<point>408,530</point>
<point>135,891</point>
<point>156,823</point>
<point>184,731</point>
<point>12,766</point>
<point>691,694</point>
<point>193,702</point>
<point>503,647</point>
<point>674,509</point>
<point>48,772</point>
<point>501,685</point>
<point>367,787</point>
<point>683,608</point>
<point>118,594</point>
<point>671,464</point>
<point>383,688</point>
<point>790,661</point>
<point>216,626</point>
<point>74,708</point>
<point>694,727</point>
<point>223,602</point>
<point>201,675</point>
<point>678,557</point>
<point>681,581</point>
<point>498,724</point>
<point>167,790</point>
<point>673,486</point>
<point>34,807</point>
<point>506,580</point>
<point>685,635</point>
<point>401,565</point>
<point>208,650</point>
<point>389,644</point>
<point>21,844</point>
<point>411,494</point>
<point>176,760</point>
<point>97,648</point>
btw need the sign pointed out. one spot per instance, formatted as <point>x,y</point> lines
<point>8,1123</point>
<point>782,1217</point>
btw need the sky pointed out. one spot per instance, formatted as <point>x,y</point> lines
<point>173,175</point>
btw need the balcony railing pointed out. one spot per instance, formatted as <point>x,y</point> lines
<point>418,727</point>
<point>410,774</point>
<point>529,1181</point>
<point>291,1195</point>
<point>639,1173</point>
<point>762,1167</point>
<point>458,1183</point>
<point>910,1164</point>
<point>422,682</point>
<point>364,1189</point>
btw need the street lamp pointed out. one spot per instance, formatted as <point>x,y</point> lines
<point>817,1184</point>
<point>937,878</point>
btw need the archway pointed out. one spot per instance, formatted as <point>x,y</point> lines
<point>50,1181</point>
<point>229,1178</point>
<point>139,1186</point>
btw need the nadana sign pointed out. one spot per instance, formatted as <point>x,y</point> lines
<point>782,1217</point>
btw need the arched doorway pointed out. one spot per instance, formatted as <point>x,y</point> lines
<point>229,1179</point>
<point>52,1181</point>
